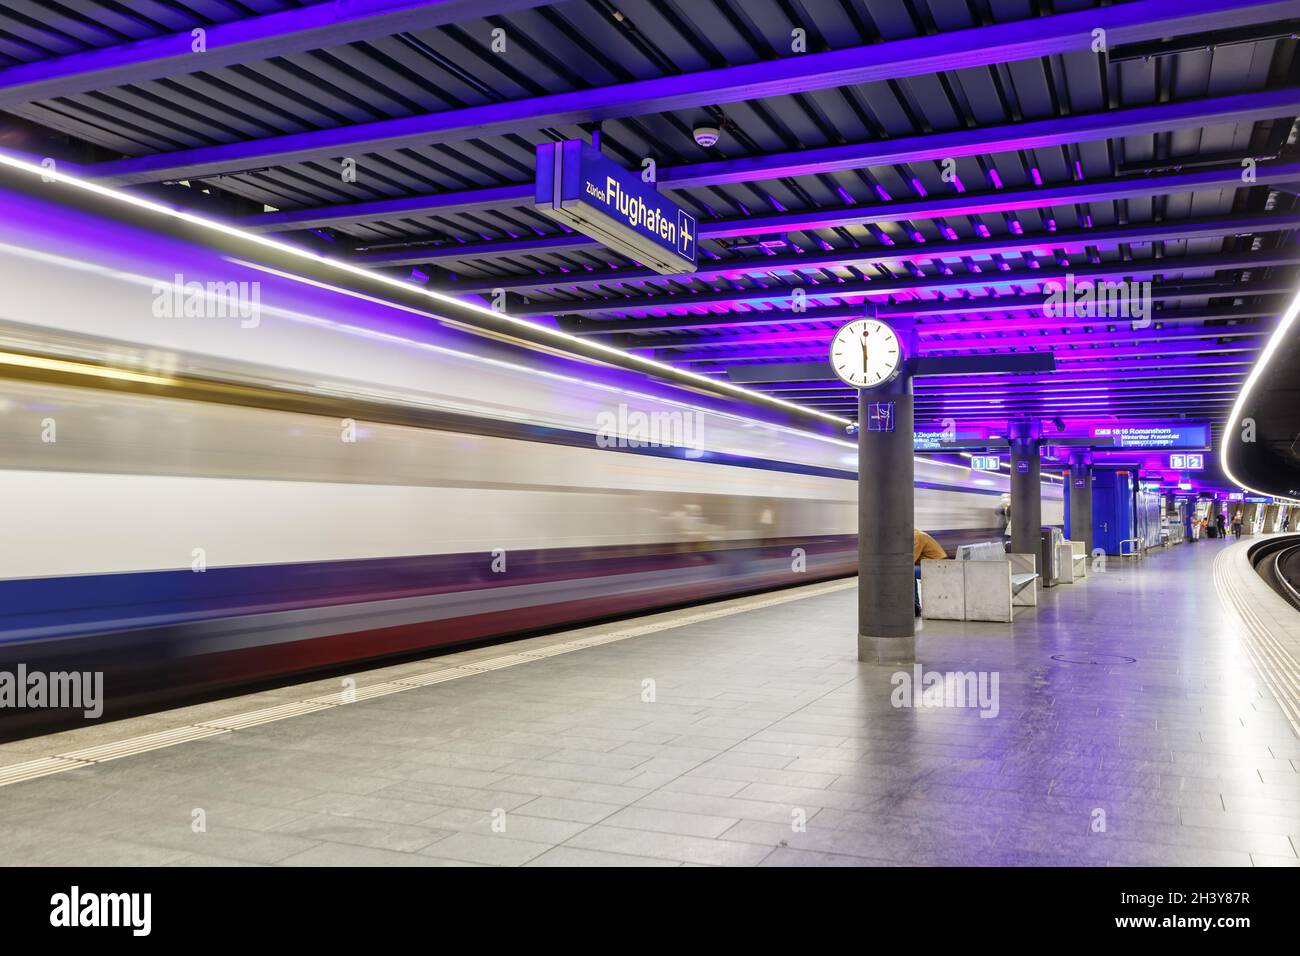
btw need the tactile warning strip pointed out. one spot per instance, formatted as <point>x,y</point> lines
<point>1275,663</point>
<point>88,756</point>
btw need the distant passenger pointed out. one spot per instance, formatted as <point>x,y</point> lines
<point>923,546</point>
<point>1236,525</point>
<point>1286,521</point>
<point>1222,523</point>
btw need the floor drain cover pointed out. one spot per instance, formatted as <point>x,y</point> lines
<point>1094,659</point>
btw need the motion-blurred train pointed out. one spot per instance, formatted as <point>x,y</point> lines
<point>221,464</point>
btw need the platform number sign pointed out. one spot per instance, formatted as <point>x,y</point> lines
<point>985,462</point>
<point>1022,467</point>
<point>880,416</point>
<point>866,353</point>
<point>1186,462</point>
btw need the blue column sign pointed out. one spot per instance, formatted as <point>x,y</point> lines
<point>880,416</point>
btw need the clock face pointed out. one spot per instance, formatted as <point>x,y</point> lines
<point>866,353</point>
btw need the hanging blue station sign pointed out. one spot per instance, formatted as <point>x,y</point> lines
<point>582,189</point>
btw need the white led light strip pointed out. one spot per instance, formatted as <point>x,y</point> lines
<point>1274,343</point>
<point>48,174</point>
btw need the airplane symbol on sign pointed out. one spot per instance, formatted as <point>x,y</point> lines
<point>685,235</point>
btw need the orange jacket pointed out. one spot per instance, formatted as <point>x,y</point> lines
<point>924,546</point>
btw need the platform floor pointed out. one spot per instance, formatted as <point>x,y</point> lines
<point>767,743</point>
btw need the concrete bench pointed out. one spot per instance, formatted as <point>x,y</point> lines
<point>1072,561</point>
<point>984,583</point>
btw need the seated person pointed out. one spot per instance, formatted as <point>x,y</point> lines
<point>923,546</point>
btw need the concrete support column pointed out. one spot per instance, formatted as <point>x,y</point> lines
<point>1081,497</point>
<point>886,516</point>
<point>1026,489</point>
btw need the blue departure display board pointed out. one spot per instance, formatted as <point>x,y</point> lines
<point>577,186</point>
<point>1155,436</point>
<point>939,439</point>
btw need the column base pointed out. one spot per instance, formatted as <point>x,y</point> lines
<point>887,650</point>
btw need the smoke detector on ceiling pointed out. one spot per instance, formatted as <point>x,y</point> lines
<point>707,135</point>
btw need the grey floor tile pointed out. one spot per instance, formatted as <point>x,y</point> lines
<point>670,821</point>
<point>565,808</point>
<point>327,828</point>
<point>572,856</point>
<point>347,854</point>
<point>668,846</point>
<point>491,849</point>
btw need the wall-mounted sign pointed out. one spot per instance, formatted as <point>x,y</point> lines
<point>1186,462</point>
<point>1182,435</point>
<point>985,462</point>
<point>866,353</point>
<point>880,416</point>
<point>1080,482</point>
<point>1022,467</point>
<point>586,191</point>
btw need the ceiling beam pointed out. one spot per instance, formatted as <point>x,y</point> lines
<point>921,308</point>
<point>891,60</point>
<point>236,42</point>
<point>1029,135</point>
<point>709,348</point>
<point>1066,354</point>
<point>873,213</point>
<point>910,284</point>
<point>979,386</point>
<point>1119,367</point>
<point>863,258</point>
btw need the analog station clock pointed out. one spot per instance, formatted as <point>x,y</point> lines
<point>866,353</point>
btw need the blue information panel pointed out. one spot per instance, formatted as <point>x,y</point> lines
<point>1155,436</point>
<point>585,190</point>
